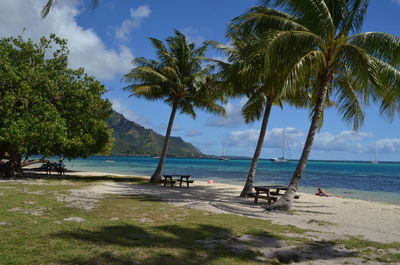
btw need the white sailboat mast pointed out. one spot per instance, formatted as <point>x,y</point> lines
<point>283,143</point>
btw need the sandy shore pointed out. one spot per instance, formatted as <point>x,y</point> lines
<point>334,218</point>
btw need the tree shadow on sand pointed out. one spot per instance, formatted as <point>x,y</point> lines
<point>39,175</point>
<point>201,244</point>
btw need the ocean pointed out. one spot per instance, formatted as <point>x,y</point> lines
<point>360,180</point>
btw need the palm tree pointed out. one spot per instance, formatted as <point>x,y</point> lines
<point>50,3</point>
<point>311,40</point>
<point>179,79</point>
<point>245,74</point>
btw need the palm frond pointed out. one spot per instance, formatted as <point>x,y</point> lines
<point>304,70</point>
<point>360,64</point>
<point>313,14</point>
<point>350,100</point>
<point>50,3</point>
<point>382,46</point>
<point>389,94</point>
<point>261,18</point>
<point>253,109</point>
<point>282,42</point>
<point>144,74</point>
<point>354,19</point>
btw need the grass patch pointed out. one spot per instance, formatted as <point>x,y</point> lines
<point>121,230</point>
<point>382,252</point>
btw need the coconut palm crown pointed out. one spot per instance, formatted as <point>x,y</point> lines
<point>179,79</point>
<point>320,41</point>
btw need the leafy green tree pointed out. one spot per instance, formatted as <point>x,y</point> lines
<point>311,40</point>
<point>50,3</point>
<point>245,74</point>
<point>45,107</point>
<point>178,78</point>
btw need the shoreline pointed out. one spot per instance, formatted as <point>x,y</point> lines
<point>334,218</point>
<point>363,195</point>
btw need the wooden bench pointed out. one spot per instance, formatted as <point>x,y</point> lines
<point>253,194</point>
<point>265,192</point>
<point>185,178</point>
<point>181,179</point>
<point>270,199</point>
<point>168,179</point>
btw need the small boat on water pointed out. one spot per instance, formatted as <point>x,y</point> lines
<point>110,161</point>
<point>223,157</point>
<point>156,157</point>
<point>279,160</point>
<point>374,161</point>
<point>282,159</point>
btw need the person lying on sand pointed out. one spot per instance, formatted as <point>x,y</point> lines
<point>323,193</point>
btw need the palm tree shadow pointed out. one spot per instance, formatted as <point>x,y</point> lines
<point>190,241</point>
<point>197,244</point>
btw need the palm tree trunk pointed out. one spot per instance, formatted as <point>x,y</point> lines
<point>248,187</point>
<point>156,177</point>
<point>285,202</point>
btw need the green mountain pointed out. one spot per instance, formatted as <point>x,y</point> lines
<point>132,139</point>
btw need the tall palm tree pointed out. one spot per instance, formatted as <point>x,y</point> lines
<point>245,74</point>
<point>178,78</point>
<point>312,40</point>
<point>50,3</point>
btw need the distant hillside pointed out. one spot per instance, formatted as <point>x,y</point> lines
<point>132,139</point>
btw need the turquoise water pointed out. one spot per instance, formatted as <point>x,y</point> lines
<point>376,182</point>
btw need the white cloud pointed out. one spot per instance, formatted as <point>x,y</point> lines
<point>193,35</point>
<point>244,138</point>
<point>193,133</point>
<point>293,138</point>
<point>137,15</point>
<point>273,139</point>
<point>87,50</point>
<point>388,145</point>
<point>122,108</point>
<point>344,141</point>
<point>234,116</point>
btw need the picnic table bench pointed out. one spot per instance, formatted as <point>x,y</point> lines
<point>168,179</point>
<point>52,166</point>
<point>269,193</point>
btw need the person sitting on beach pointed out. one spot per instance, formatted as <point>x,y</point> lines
<point>48,167</point>
<point>323,193</point>
<point>61,167</point>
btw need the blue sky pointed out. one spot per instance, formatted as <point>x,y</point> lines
<point>105,41</point>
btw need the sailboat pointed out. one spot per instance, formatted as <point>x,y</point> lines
<point>223,157</point>
<point>374,161</point>
<point>281,159</point>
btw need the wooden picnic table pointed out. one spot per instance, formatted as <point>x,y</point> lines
<point>182,178</point>
<point>268,192</point>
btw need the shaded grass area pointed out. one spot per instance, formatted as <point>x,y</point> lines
<point>134,230</point>
<point>382,252</point>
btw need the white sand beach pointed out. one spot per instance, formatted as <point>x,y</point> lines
<point>333,218</point>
